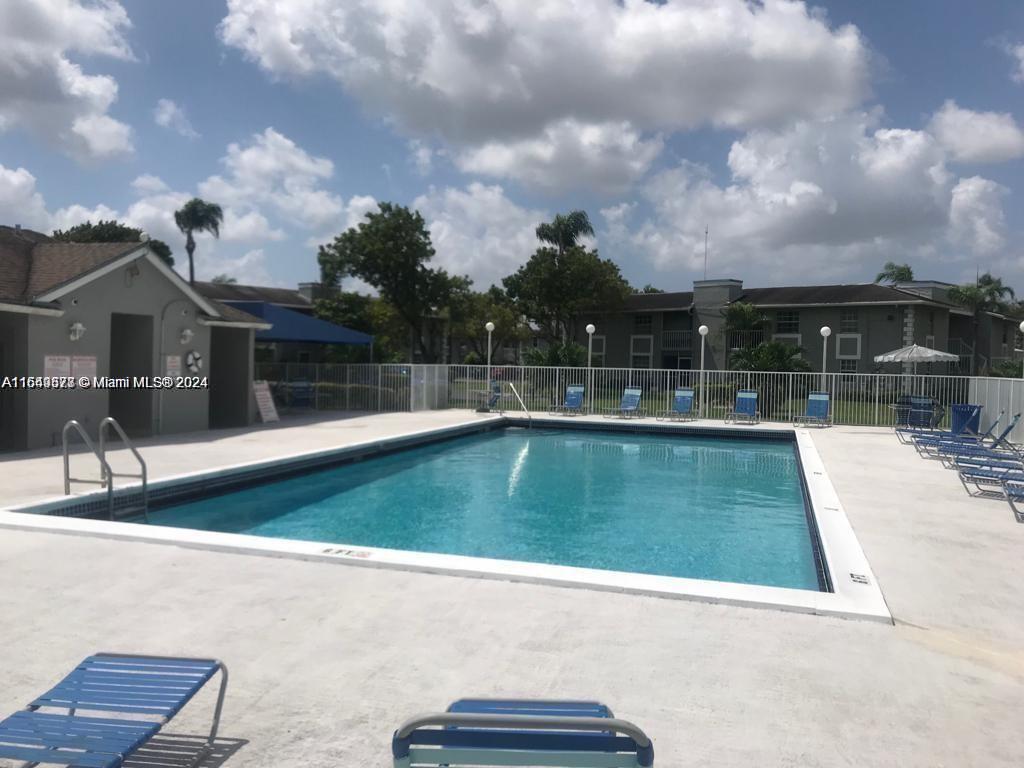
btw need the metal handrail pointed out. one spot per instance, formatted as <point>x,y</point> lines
<point>529,419</point>
<point>110,421</point>
<point>105,473</point>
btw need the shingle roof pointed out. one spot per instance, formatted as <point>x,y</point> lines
<point>233,292</point>
<point>32,264</point>
<point>15,260</point>
<point>230,314</point>
<point>860,293</point>
<point>54,264</point>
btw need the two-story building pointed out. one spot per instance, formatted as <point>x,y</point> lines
<point>660,330</point>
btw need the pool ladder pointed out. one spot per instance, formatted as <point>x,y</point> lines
<point>529,419</point>
<point>107,475</point>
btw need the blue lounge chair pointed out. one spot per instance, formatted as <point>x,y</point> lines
<point>498,732</point>
<point>817,411</point>
<point>906,435</point>
<point>949,448</point>
<point>682,406</point>
<point>1013,492</point>
<point>629,405</point>
<point>492,398</point>
<point>109,686</point>
<point>745,408</point>
<point>573,404</point>
<point>916,412</point>
<point>988,475</point>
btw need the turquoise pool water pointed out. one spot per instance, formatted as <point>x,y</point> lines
<point>705,508</point>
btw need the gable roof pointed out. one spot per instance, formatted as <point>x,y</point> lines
<point>36,270</point>
<point>56,264</point>
<point>231,292</point>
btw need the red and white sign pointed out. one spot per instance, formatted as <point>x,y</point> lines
<point>83,365</point>
<point>265,401</point>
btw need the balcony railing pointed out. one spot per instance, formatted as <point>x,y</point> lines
<point>673,341</point>
<point>745,339</point>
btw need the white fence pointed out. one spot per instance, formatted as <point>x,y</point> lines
<point>857,399</point>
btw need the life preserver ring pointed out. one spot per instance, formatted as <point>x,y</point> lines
<point>194,361</point>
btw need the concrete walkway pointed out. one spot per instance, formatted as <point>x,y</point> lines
<point>326,659</point>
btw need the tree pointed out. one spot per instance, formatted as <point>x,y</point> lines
<point>744,316</point>
<point>895,273</point>
<point>557,284</point>
<point>194,217</point>
<point>472,311</point>
<point>564,231</point>
<point>391,250</point>
<point>571,355</point>
<point>369,314</point>
<point>648,289</point>
<point>987,294</point>
<point>111,232</point>
<point>770,356</point>
<point>223,279</point>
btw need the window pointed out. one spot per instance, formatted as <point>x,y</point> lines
<point>643,323</point>
<point>597,356</point>
<point>640,351</point>
<point>847,366</point>
<point>929,341</point>
<point>848,346</point>
<point>787,321</point>
<point>848,321</point>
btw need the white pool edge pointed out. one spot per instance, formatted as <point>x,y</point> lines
<point>852,598</point>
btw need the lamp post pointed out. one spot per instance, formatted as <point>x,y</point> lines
<point>490,329</point>
<point>1021,326</point>
<point>825,333</point>
<point>590,373</point>
<point>703,331</point>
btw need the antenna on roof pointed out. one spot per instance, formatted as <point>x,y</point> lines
<point>705,251</point>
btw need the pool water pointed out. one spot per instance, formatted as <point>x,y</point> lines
<point>697,507</point>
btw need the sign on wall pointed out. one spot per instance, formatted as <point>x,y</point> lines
<point>265,401</point>
<point>83,365</point>
<point>172,365</point>
<point>56,366</point>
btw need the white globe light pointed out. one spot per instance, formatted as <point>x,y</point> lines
<point>489,327</point>
<point>1021,326</point>
<point>826,331</point>
<point>703,330</point>
<point>591,328</point>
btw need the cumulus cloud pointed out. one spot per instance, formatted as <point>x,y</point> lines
<point>273,170</point>
<point>250,268</point>
<point>1016,52</point>
<point>478,231</point>
<point>148,183</point>
<point>44,93</point>
<point>832,196</point>
<point>167,114</point>
<point>478,76</point>
<point>568,154</point>
<point>976,215</point>
<point>977,137</point>
<point>20,201</point>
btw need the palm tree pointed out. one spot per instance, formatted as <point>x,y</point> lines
<point>895,273</point>
<point>197,216</point>
<point>988,294</point>
<point>564,231</point>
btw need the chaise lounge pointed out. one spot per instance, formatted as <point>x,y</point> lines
<point>503,732</point>
<point>111,687</point>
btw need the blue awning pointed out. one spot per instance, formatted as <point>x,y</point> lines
<point>295,326</point>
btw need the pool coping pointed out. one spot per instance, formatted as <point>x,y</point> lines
<point>856,593</point>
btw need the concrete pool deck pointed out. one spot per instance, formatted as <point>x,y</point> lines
<point>326,660</point>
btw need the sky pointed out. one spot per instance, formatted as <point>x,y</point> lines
<point>815,141</point>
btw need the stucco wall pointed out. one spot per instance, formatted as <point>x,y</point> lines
<point>148,293</point>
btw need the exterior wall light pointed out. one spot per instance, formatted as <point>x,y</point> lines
<point>76,331</point>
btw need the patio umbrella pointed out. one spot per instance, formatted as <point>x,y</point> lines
<point>915,354</point>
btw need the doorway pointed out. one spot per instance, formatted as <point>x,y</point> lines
<point>131,355</point>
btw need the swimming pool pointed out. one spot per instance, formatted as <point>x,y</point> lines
<point>699,507</point>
